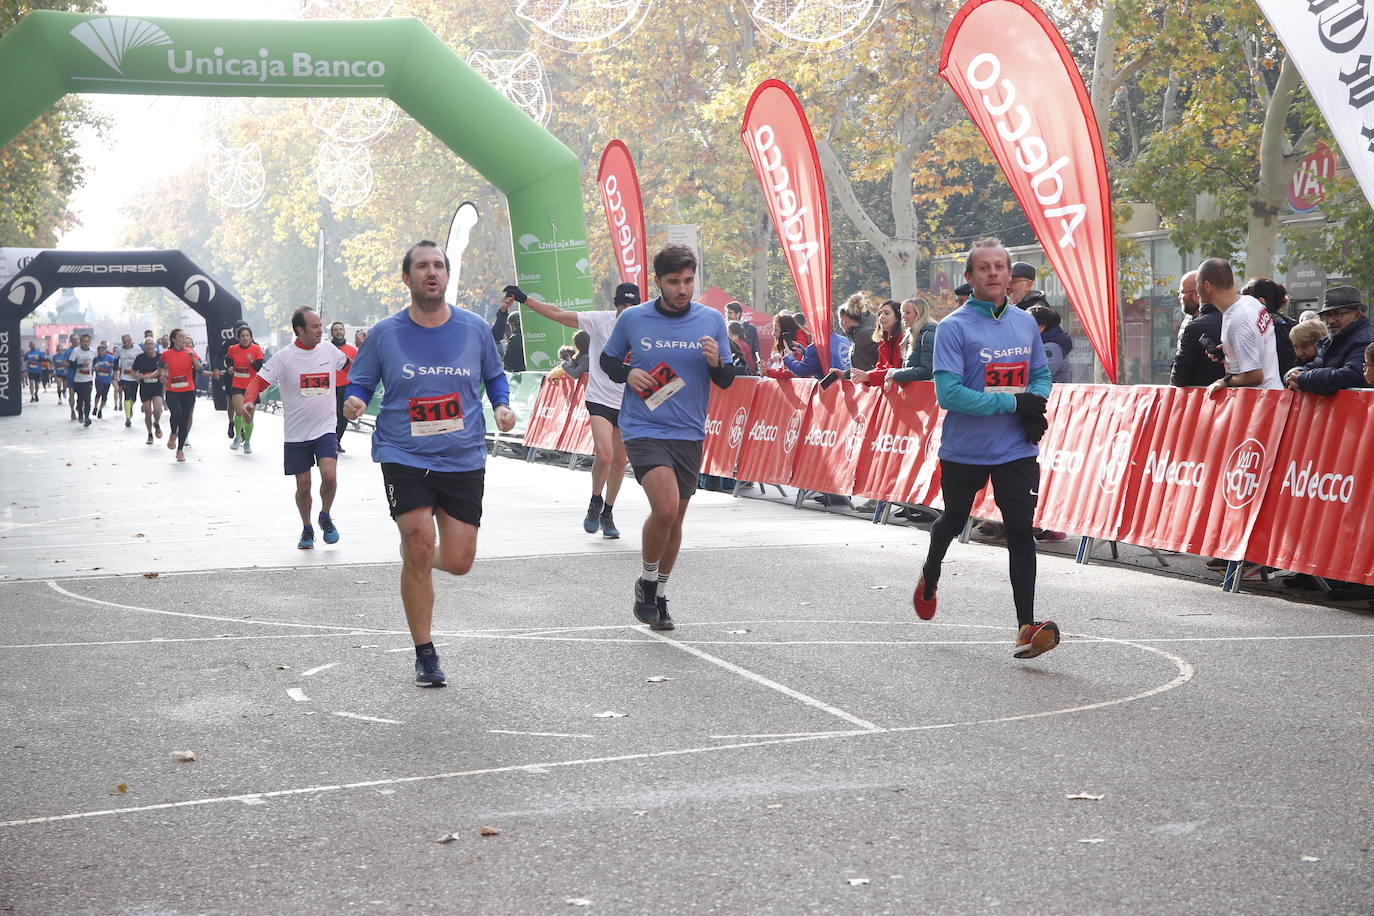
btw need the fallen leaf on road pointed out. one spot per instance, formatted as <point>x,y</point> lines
<point>150,575</point>
<point>1311,858</point>
<point>737,632</point>
<point>1093,841</point>
<point>657,679</point>
<point>184,756</point>
<point>857,882</point>
<point>283,667</point>
<point>875,588</point>
<point>771,807</point>
<point>140,534</point>
<point>1084,796</point>
<point>611,715</point>
<point>121,789</point>
<point>490,831</point>
<point>578,901</point>
<point>447,838</point>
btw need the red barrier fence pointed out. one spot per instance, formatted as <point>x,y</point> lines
<point>1269,476</point>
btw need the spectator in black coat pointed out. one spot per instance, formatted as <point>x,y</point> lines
<point>1194,366</point>
<point>735,312</point>
<point>1340,357</point>
<point>856,323</point>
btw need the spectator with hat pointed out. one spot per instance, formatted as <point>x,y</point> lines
<point>1022,293</point>
<point>1340,360</point>
<point>961,294</point>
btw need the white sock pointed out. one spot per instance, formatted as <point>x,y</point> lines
<point>662,584</point>
<point>650,573</point>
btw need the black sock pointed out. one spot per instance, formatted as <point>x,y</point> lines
<point>606,509</point>
<point>596,502</point>
<point>424,650</point>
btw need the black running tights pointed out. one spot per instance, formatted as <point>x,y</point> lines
<point>181,404</point>
<point>1015,488</point>
<point>83,399</point>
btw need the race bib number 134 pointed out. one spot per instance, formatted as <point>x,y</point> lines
<point>432,416</point>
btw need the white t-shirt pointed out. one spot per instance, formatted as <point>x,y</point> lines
<point>82,360</point>
<point>305,379</point>
<point>126,356</point>
<point>1247,333</point>
<point>600,389</point>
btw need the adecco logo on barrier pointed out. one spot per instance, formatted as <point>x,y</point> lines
<point>737,424</point>
<point>1240,477</point>
<point>789,439</point>
<point>1316,484</point>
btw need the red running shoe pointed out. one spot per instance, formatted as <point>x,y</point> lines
<point>1036,639</point>
<point>923,599</point>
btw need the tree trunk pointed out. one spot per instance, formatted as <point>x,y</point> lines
<point>761,244</point>
<point>899,254</point>
<point>1267,196</point>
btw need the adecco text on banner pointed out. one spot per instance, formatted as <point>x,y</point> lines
<point>1313,484</point>
<point>1032,153</point>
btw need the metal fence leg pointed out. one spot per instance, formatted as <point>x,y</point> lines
<point>1232,580</point>
<point>880,513</point>
<point>1085,550</point>
<point>801,496</point>
<point>963,535</point>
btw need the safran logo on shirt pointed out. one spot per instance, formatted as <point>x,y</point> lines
<point>648,343</point>
<point>988,356</point>
<point>410,370</point>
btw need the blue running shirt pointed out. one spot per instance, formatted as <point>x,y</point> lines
<point>980,361</point>
<point>431,412</point>
<point>652,338</point>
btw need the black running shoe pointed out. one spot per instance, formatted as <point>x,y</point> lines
<point>427,670</point>
<point>608,528</point>
<point>593,519</point>
<point>665,620</point>
<point>646,601</point>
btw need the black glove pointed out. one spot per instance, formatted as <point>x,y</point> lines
<point>1029,405</point>
<point>1035,426</point>
<point>515,293</point>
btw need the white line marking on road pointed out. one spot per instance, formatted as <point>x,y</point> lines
<point>1185,674</point>
<point>174,639</point>
<point>260,623</point>
<point>362,718</point>
<point>502,731</point>
<point>772,685</point>
<point>297,694</point>
<point>314,671</point>
<point>861,731</point>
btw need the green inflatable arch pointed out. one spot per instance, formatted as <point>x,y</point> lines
<point>49,54</point>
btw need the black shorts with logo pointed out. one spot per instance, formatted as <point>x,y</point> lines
<point>458,493</point>
<point>682,455</point>
<point>604,412</point>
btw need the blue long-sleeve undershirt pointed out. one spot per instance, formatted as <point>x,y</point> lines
<point>955,396</point>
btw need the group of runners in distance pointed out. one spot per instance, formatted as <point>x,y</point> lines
<point>432,362</point>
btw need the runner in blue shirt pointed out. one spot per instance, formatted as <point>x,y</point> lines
<point>992,377</point>
<point>674,347</point>
<point>33,368</point>
<point>105,365</point>
<point>432,361</point>
<point>65,371</point>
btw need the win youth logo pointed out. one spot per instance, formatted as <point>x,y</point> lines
<point>737,425</point>
<point>789,439</point>
<point>111,37</point>
<point>1240,479</point>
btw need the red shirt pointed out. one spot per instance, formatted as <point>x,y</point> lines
<point>241,361</point>
<point>341,377</point>
<point>181,374</point>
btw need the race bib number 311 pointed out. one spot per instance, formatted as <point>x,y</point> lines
<point>435,415</point>
<point>1009,378</point>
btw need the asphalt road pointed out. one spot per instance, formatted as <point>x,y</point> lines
<point>815,748</point>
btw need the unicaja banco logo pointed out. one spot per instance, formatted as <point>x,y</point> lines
<point>112,37</point>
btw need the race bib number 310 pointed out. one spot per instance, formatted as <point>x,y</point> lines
<point>435,415</point>
<point>1009,378</point>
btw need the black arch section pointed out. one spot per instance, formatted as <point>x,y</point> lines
<point>50,271</point>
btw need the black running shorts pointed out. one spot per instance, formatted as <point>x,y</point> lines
<point>682,455</point>
<point>149,390</point>
<point>604,412</point>
<point>130,388</point>
<point>458,493</point>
